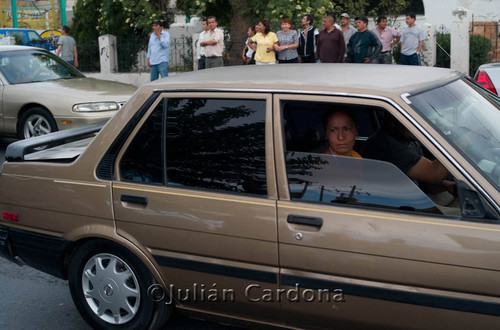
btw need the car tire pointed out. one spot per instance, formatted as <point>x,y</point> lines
<point>111,288</point>
<point>35,122</point>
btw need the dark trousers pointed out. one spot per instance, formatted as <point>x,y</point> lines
<point>410,59</point>
<point>201,63</point>
<point>293,60</point>
<point>308,59</point>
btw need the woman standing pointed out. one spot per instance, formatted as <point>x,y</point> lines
<point>288,43</point>
<point>263,43</point>
<point>248,53</point>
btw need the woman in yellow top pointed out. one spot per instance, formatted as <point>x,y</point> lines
<point>340,132</point>
<point>263,43</point>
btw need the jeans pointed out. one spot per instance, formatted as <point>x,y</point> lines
<point>410,59</point>
<point>383,58</point>
<point>159,69</point>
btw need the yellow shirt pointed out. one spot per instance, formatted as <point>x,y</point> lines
<point>263,43</point>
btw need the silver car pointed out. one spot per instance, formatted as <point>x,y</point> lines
<point>40,93</point>
<point>488,75</point>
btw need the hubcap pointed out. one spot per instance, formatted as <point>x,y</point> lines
<point>111,288</point>
<point>36,125</point>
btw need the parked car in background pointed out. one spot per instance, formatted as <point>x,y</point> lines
<point>27,37</point>
<point>40,93</point>
<point>214,192</point>
<point>488,75</point>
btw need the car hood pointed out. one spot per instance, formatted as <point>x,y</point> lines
<point>83,89</point>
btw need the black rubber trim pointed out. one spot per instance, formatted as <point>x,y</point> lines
<point>210,268</point>
<point>43,252</point>
<point>17,150</point>
<point>105,169</point>
<point>413,298</point>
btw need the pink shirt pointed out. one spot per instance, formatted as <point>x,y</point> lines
<point>387,36</point>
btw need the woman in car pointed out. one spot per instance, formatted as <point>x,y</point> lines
<point>340,132</point>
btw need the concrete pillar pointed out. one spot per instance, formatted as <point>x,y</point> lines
<point>428,52</point>
<point>108,54</point>
<point>459,44</point>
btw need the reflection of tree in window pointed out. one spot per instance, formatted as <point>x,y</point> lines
<point>216,144</point>
<point>347,180</point>
<point>142,160</point>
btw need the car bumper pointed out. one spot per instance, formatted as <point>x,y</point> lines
<point>43,252</point>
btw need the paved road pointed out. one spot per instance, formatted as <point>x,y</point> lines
<point>30,299</point>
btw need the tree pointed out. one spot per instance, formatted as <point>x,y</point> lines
<point>236,16</point>
<point>128,20</point>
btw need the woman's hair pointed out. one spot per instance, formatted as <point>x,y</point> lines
<point>349,113</point>
<point>252,27</point>
<point>266,26</point>
<point>286,20</point>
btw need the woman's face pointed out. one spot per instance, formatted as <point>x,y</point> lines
<point>285,26</point>
<point>250,32</point>
<point>260,27</point>
<point>341,134</point>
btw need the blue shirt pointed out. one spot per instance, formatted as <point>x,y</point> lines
<point>159,50</point>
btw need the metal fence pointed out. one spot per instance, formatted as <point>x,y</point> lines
<point>132,55</point>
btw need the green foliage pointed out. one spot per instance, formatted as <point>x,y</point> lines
<point>479,48</point>
<point>275,10</point>
<point>128,20</point>
<point>443,50</point>
<point>396,53</point>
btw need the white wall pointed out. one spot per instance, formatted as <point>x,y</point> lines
<point>438,12</point>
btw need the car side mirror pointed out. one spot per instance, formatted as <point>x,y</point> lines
<point>472,204</point>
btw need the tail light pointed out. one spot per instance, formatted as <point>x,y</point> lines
<point>483,78</point>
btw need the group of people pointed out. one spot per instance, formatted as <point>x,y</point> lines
<point>334,44</point>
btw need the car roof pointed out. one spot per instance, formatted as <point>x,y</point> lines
<point>368,78</point>
<point>489,65</point>
<point>8,48</point>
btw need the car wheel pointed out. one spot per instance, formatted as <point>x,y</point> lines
<point>111,288</point>
<point>35,122</point>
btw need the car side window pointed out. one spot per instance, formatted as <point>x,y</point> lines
<point>208,143</point>
<point>325,165</point>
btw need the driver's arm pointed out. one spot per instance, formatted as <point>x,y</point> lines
<point>428,171</point>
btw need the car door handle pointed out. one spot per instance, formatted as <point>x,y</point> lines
<point>303,220</point>
<point>134,199</point>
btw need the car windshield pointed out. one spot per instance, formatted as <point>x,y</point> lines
<point>21,67</point>
<point>469,118</point>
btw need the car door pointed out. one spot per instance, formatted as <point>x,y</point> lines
<point>360,244</point>
<point>195,185</point>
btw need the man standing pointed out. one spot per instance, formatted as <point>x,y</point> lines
<point>201,50</point>
<point>66,47</point>
<point>364,46</point>
<point>389,37</point>
<point>331,45</point>
<point>346,27</point>
<point>412,41</point>
<point>214,44</point>
<point>158,51</point>
<point>308,37</point>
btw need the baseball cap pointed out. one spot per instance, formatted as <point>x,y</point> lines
<point>362,18</point>
<point>346,15</point>
<point>156,21</point>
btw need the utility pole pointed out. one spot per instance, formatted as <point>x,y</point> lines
<point>14,13</point>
